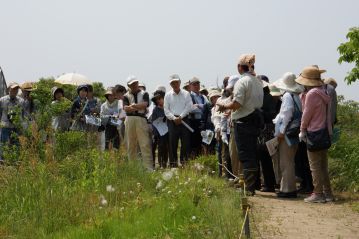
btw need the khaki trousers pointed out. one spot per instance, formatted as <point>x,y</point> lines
<point>136,135</point>
<point>276,168</point>
<point>237,167</point>
<point>287,167</point>
<point>318,162</point>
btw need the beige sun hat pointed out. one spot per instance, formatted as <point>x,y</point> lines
<point>331,81</point>
<point>214,93</point>
<point>310,76</point>
<point>109,91</point>
<point>287,83</point>
<point>13,85</point>
<point>27,86</point>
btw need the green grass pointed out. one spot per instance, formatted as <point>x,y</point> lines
<point>62,199</point>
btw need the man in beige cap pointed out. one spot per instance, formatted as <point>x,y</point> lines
<point>177,105</point>
<point>135,103</point>
<point>11,108</point>
<point>247,100</point>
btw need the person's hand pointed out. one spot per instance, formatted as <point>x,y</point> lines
<point>280,137</point>
<point>221,108</point>
<point>178,120</point>
<point>224,138</point>
<point>303,136</point>
<point>227,113</point>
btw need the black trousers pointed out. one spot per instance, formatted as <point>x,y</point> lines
<point>266,165</point>
<point>302,168</point>
<point>176,133</point>
<point>112,136</point>
<point>196,143</point>
<point>246,135</point>
<point>162,144</point>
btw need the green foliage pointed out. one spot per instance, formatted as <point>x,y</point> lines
<point>344,162</point>
<point>65,199</point>
<point>349,52</point>
<point>99,90</point>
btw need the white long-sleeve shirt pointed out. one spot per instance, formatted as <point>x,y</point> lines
<point>177,104</point>
<point>286,112</point>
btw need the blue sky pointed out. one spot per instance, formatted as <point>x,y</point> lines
<point>108,40</point>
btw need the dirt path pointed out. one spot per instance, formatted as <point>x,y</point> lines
<point>276,218</point>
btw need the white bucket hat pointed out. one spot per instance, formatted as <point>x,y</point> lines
<point>287,83</point>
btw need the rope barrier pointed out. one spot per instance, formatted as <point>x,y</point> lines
<point>244,223</point>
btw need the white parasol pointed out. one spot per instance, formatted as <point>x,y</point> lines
<point>73,79</point>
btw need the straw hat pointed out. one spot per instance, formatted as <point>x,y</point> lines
<point>287,83</point>
<point>247,60</point>
<point>310,76</point>
<point>274,91</point>
<point>331,81</point>
<point>27,86</point>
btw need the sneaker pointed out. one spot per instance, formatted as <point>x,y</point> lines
<point>315,198</point>
<point>329,197</point>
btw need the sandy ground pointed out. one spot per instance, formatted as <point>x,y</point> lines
<point>292,218</point>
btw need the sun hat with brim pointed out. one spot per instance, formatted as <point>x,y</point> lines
<point>27,86</point>
<point>131,79</point>
<point>331,81</point>
<point>161,88</point>
<point>247,60</point>
<point>13,85</point>
<point>194,80</point>
<point>157,94</point>
<point>109,91</point>
<point>174,78</point>
<point>214,93</point>
<point>274,91</point>
<point>287,83</point>
<point>310,76</point>
<point>56,89</point>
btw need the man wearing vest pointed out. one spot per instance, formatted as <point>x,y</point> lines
<point>177,105</point>
<point>198,116</point>
<point>135,104</point>
<point>247,100</point>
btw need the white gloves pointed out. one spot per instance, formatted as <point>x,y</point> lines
<point>303,136</point>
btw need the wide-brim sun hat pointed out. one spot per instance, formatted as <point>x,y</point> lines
<point>56,89</point>
<point>214,93</point>
<point>331,81</point>
<point>274,91</point>
<point>13,85</point>
<point>310,76</point>
<point>194,80</point>
<point>287,83</point>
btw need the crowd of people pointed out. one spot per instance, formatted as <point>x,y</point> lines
<point>235,122</point>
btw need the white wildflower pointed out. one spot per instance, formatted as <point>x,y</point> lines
<point>169,192</point>
<point>131,192</point>
<point>110,189</point>
<point>159,185</point>
<point>198,166</point>
<point>103,200</point>
<point>199,181</point>
<point>194,218</point>
<point>122,208</point>
<point>167,175</point>
<point>213,172</point>
<point>185,183</point>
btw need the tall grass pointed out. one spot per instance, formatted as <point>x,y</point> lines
<point>71,190</point>
<point>344,155</point>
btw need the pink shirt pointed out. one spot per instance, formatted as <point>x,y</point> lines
<point>316,109</point>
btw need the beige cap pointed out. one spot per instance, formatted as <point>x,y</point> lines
<point>13,85</point>
<point>174,77</point>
